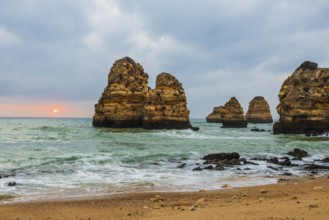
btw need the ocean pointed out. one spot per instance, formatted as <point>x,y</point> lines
<point>67,158</point>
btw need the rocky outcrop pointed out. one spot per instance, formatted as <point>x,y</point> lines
<point>122,102</point>
<point>259,111</point>
<point>304,101</point>
<point>232,115</point>
<point>127,101</point>
<point>166,106</point>
<point>215,116</point>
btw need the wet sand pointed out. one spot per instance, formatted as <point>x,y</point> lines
<point>306,198</point>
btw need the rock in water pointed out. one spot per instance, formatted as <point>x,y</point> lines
<point>304,101</point>
<point>259,111</point>
<point>232,115</point>
<point>122,102</point>
<point>215,116</point>
<point>127,101</point>
<point>166,107</point>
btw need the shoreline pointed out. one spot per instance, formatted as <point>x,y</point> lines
<point>290,198</point>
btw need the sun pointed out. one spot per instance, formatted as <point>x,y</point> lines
<point>55,110</point>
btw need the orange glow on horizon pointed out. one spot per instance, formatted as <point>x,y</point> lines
<point>45,110</point>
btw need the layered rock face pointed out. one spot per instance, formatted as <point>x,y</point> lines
<point>259,111</point>
<point>127,101</point>
<point>166,107</point>
<point>232,115</point>
<point>122,102</point>
<point>215,116</point>
<point>304,101</point>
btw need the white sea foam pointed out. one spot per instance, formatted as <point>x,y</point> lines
<point>54,162</point>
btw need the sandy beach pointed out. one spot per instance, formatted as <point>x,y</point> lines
<point>306,198</point>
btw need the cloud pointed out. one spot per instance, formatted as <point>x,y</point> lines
<point>62,50</point>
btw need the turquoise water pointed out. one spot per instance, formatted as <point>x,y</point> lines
<point>56,158</point>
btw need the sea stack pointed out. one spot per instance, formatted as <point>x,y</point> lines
<point>128,102</point>
<point>232,115</point>
<point>304,101</point>
<point>121,104</point>
<point>166,106</point>
<point>215,116</point>
<point>259,111</point>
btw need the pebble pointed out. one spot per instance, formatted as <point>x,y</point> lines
<point>313,206</point>
<point>263,191</point>
<point>226,186</point>
<point>317,187</point>
<point>294,197</point>
<point>200,201</point>
<point>157,198</point>
<point>192,208</point>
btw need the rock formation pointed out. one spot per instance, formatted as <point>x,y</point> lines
<point>215,116</point>
<point>259,111</point>
<point>127,101</point>
<point>166,106</point>
<point>122,102</point>
<point>304,101</point>
<point>232,115</point>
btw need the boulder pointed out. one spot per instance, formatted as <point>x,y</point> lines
<point>232,115</point>
<point>122,102</point>
<point>304,101</point>
<point>298,153</point>
<point>215,116</point>
<point>259,111</point>
<point>166,106</point>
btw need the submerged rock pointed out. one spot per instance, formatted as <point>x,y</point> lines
<point>166,106</point>
<point>304,101</point>
<point>215,116</point>
<point>259,111</point>
<point>232,115</point>
<point>298,154</point>
<point>127,101</point>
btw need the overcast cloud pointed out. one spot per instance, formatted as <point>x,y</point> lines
<point>62,50</point>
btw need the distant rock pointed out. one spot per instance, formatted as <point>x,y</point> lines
<point>259,111</point>
<point>127,101</point>
<point>215,116</point>
<point>122,102</point>
<point>233,115</point>
<point>166,106</point>
<point>304,101</point>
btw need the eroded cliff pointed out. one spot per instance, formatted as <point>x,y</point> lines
<point>304,101</point>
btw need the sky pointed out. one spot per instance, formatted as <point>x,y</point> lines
<point>56,54</point>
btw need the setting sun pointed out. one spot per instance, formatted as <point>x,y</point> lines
<point>55,110</point>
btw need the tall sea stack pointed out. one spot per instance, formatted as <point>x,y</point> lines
<point>304,101</point>
<point>122,102</point>
<point>166,106</point>
<point>127,101</point>
<point>215,116</point>
<point>232,115</point>
<point>259,111</point>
